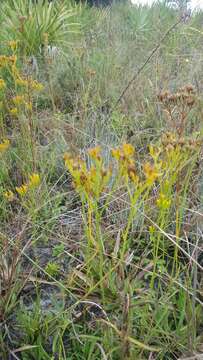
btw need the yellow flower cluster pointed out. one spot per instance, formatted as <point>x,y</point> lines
<point>18,100</point>
<point>9,195</point>
<point>124,156</point>
<point>123,153</point>
<point>4,145</point>
<point>151,173</point>
<point>21,102</point>
<point>34,182</point>
<point>13,45</point>
<point>90,182</point>
<point>7,60</point>
<point>36,86</point>
<point>14,111</point>
<point>93,180</point>
<point>22,190</point>
<point>32,84</point>
<point>163,202</point>
<point>95,153</point>
<point>21,82</point>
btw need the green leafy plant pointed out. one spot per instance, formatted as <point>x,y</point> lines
<point>52,269</point>
<point>31,22</point>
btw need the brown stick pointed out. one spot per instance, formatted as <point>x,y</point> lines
<point>145,63</point>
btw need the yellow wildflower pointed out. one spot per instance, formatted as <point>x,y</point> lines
<point>12,59</point>
<point>151,229</point>
<point>22,190</point>
<point>18,100</point>
<point>21,82</point>
<point>34,180</point>
<point>2,84</point>
<point>13,45</point>
<point>4,145</point>
<point>132,174</point>
<point>7,60</point>
<point>128,150</point>
<point>66,157</point>
<point>163,202</point>
<point>35,85</point>
<point>9,195</point>
<point>14,111</point>
<point>83,182</point>
<point>74,165</point>
<point>116,153</point>
<point>95,153</point>
<point>151,173</point>
<point>92,173</point>
<point>3,60</point>
<point>154,151</point>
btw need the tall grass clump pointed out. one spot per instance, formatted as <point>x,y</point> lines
<point>156,190</point>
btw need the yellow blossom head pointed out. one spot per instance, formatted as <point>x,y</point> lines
<point>124,153</point>
<point>34,180</point>
<point>116,153</point>
<point>3,60</point>
<point>66,156</point>
<point>9,195</point>
<point>95,153</point>
<point>12,59</point>
<point>151,229</point>
<point>18,100</point>
<point>4,145</point>
<point>151,173</point>
<point>163,202</point>
<point>132,174</point>
<point>128,150</point>
<point>13,45</point>
<point>35,85</point>
<point>14,111</point>
<point>22,190</point>
<point>21,82</point>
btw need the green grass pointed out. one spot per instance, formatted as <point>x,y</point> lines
<point>95,264</point>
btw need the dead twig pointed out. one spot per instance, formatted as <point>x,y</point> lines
<point>137,73</point>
